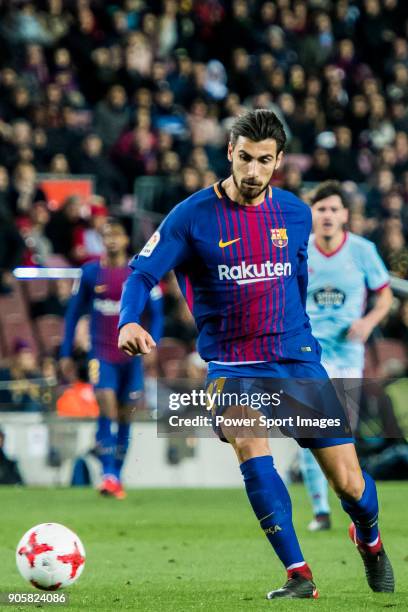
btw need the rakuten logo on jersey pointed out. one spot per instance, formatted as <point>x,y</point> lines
<point>245,274</point>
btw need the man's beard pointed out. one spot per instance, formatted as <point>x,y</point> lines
<point>249,190</point>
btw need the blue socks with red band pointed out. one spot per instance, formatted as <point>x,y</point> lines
<point>271,503</point>
<point>364,512</point>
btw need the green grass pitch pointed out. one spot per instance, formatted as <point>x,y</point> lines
<point>180,550</point>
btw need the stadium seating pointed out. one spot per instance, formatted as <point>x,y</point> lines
<point>50,331</point>
<point>15,324</point>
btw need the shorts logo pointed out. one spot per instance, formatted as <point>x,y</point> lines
<point>279,237</point>
<point>94,371</point>
<point>150,245</point>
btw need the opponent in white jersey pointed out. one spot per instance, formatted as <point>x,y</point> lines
<point>342,268</point>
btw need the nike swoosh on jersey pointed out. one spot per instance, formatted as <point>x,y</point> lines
<point>222,244</point>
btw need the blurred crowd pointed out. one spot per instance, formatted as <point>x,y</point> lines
<point>128,88</point>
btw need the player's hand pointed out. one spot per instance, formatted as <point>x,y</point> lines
<point>67,369</point>
<point>359,330</point>
<point>134,340</point>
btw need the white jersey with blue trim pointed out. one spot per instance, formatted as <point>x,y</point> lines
<point>336,296</point>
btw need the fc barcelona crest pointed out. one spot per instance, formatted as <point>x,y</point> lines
<point>279,237</point>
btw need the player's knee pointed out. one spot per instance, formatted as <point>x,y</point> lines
<point>248,448</point>
<point>107,403</point>
<point>349,485</point>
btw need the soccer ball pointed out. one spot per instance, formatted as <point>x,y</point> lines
<point>50,556</point>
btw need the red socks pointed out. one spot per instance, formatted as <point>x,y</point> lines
<point>304,570</point>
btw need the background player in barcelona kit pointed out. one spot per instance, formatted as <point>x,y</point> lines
<point>342,267</point>
<point>117,379</point>
<point>239,250</point>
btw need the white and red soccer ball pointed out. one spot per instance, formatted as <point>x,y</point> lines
<point>50,556</point>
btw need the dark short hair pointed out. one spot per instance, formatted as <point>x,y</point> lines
<point>115,222</point>
<point>258,125</point>
<point>327,189</point>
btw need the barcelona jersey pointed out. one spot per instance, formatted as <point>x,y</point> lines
<point>98,294</point>
<point>243,271</point>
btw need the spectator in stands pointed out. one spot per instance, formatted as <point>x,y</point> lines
<point>11,252</point>
<point>56,20</point>
<point>59,165</point>
<point>204,127</point>
<point>56,302</point>
<point>401,152</point>
<point>317,48</point>
<point>24,390</point>
<point>181,79</point>
<point>35,73</point>
<point>292,178</point>
<point>394,249</point>
<point>9,472</point>
<point>393,206</point>
<point>215,85</point>
<point>32,228</point>
<point>62,225</point>
<point>93,161</point>
<point>358,117</point>
<point>344,163</point>
<point>166,115</point>
<point>320,170</point>
<point>135,154</point>
<point>383,184</point>
<point>88,244</point>
<point>309,123</point>
<point>111,115</point>
<point>24,189</point>
<point>64,133</point>
<point>381,132</point>
<point>239,74</point>
<point>5,200</point>
<point>191,181</point>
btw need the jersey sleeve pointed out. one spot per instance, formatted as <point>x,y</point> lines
<point>376,274</point>
<point>168,247</point>
<point>302,273</point>
<point>78,306</point>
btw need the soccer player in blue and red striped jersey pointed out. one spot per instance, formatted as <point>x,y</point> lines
<point>117,379</point>
<point>239,250</point>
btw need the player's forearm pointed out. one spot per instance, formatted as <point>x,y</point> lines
<point>135,294</point>
<point>71,319</point>
<point>381,307</point>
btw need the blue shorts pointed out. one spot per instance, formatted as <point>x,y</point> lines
<point>125,379</point>
<point>305,383</point>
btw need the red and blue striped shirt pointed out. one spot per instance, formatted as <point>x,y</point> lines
<point>243,271</point>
